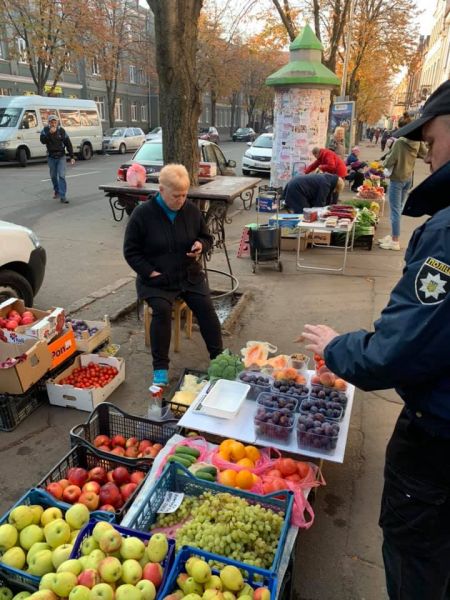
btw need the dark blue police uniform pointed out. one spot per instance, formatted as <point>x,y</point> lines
<point>409,350</point>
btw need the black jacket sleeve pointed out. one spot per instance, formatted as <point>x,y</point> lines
<point>204,236</point>
<point>43,137</point>
<point>68,144</point>
<point>133,246</point>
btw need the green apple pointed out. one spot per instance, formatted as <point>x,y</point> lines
<point>131,571</point>
<point>110,569</point>
<point>147,589</point>
<point>57,533</point>
<point>128,592</point>
<point>32,534</point>
<point>5,593</point>
<point>157,547</point>
<point>37,511</point>
<point>192,597</point>
<point>72,565</point>
<point>190,586</point>
<point>95,558</point>
<point>101,591</point>
<point>51,514</point>
<point>64,583</point>
<point>84,562</point>
<point>201,571</point>
<point>110,541</point>
<point>227,595</point>
<point>89,544</point>
<point>41,563</point>
<point>144,560</point>
<point>247,590</point>
<point>22,595</point>
<point>80,592</point>
<point>213,583</point>
<point>44,595</point>
<point>61,554</point>
<point>21,517</point>
<point>8,537</point>
<point>100,528</point>
<point>77,516</point>
<point>47,581</point>
<point>14,557</point>
<point>36,548</point>
<point>74,535</point>
<point>132,547</point>
<point>209,594</point>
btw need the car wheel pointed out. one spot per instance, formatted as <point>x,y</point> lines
<point>245,172</point>
<point>86,152</point>
<point>122,149</point>
<point>22,157</point>
<point>14,285</point>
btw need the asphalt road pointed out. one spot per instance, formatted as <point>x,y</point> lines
<point>83,242</point>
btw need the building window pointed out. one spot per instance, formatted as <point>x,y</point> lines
<point>100,102</point>
<point>2,53</point>
<point>132,70</point>
<point>5,92</point>
<point>142,79</point>
<point>118,110</point>
<point>95,66</point>
<point>22,50</point>
<point>144,112</point>
<point>134,111</point>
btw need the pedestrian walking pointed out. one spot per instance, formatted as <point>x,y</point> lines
<point>384,138</point>
<point>408,351</point>
<point>56,139</point>
<point>377,134</point>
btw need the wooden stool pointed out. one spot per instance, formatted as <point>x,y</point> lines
<point>179,307</point>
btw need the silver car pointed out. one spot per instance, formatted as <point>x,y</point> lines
<point>123,139</point>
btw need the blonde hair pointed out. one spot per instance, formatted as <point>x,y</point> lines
<point>340,184</point>
<point>174,176</point>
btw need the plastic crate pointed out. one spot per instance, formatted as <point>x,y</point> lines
<point>41,497</point>
<point>84,457</point>
<point>126,532</point>
<point>14,408</point>
<point>175,478</point>
<point>16,584</point>
<point>107,419</point>
<point>253,575</point>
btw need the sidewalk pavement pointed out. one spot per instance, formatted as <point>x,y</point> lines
<point>340,556</point>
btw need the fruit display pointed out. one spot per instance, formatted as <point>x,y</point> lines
<point>190,388</point>
<point>317,432</point>
<point>225,366</point>
<point>285,474</point>
<point>226,524</point>
<point>80,328</point>
<point>14,319</point>
<point>277,401</point>
<point>290,388</point>
<point>108,563</point>
<point>129,448</point>
<point>299,361</point>
<point>329,394</point>
<point>7,593</point>
<point>325,377</point>
<point>257,381</point>
<point>184,455</point>
<point>274,424</point>
<point>256,353</point>
<point>91,376</point>
<point>327,408</point>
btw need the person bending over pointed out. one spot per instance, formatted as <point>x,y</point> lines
<point>306,191</point>
<point>327,161</point>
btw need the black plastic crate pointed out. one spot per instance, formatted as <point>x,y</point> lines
<point>14,408</point>
<point>362,241</point>
<point>84,457</point>
<point>107,419</point>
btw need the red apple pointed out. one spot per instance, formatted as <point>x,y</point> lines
<point>107,507</point>
<point>148,452</point>
<point>102,440</point>
<point>137,476</point>
<point>98,474</point>
<point>109,477</point>
<point>78,476</point>
<point>90,499</point>
<point>121,476</point>
<point>91,486</point>
<point>144,444</point>
<point>26,320</point>
<point>71,494</point>
<point>55,490</point>
<point>27,313</point>
<point>104,448</point>
<point>132,441</point>
<point>127,489</point>
<point>89,578</point>
<point>11,324</point>
<point>118,440</point>
<point>13,314</point>
<point>110,494</point>
<point>119,451</point>
<point>154,573</point>
<point>64,483</point>
<point>132,452</point>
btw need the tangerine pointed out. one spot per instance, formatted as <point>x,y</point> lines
<point>225,446</point>
<point>237,451</point>
<point>252,453</point>
<point>228,477</point>
<point>256,479</point>
<point>224,455</point>
<point>244,480</point>
<point>246,462</point>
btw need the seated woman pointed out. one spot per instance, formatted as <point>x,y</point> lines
<point>164,241</point>
<point>353,156</point>
<point>306,191</point>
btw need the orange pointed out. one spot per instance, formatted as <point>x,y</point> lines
<point>244,480</point>
<point>252,453</point>
<point>246,462</point>
<point>256,479</point>
<point>224,455</point>
<point>237,451</point>
<point>225,446</point>
<point>228,477</point>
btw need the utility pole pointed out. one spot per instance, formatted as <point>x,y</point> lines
<point>348,42</point>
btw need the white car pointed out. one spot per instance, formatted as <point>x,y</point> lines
<point>123,139</point>
<point>22,263</point>
<point>154,134</point>
<point>257,158</point>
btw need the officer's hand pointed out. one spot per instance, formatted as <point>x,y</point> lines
<point>318,336</point>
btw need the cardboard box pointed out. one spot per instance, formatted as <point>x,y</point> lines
<point>207,169</point>
<point>80,398</point>
<point>62,347</point>
<point>18,378</point>
<point>289,244</point>
<point>48,324</point>
<point>89,343</point>
<point>320,238</point>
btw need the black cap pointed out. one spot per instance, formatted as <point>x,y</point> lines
<point>437,104</point>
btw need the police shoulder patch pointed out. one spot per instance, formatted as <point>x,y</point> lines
<point>432,281</point>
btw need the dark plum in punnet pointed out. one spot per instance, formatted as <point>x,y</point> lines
<point>317,433</point>
<point>277,401</point>
<point>257,381</point>
<point>274,424</point>
<point>323,393</point>
<point>327,408</point>
<point>286,386</point>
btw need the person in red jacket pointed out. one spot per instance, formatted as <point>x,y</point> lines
<point>328,162</point>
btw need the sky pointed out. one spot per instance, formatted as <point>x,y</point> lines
<point>426,19</point>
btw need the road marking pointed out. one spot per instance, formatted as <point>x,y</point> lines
<point>77,175</point>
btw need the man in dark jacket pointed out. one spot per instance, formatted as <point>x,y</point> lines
<point>164,241</point>
<point>57,140</point>
<point>306,191</point>
<point>409,351</point>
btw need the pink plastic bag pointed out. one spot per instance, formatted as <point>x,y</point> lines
<point>199,443</point>
<point>136,175</point>
<point>263,463</point>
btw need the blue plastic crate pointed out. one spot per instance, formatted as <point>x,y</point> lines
<point>253,575</point>
<point>41,497</point>
<point>16,583</point>
<point>175,478</point>
<point>126,532</point>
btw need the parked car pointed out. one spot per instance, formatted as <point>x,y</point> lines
<point>257,158</point>
<point>150,156</point>
<point>244,134</point>
<point>22,263</point>
<point>210,134</point>
<point>123,139</point>
<point>154,134</point>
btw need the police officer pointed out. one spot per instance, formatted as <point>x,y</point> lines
<point>409,350</point>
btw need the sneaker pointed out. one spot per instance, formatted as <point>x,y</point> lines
<point>161,377</point>
<point>390,245</point>
<point>64,201</point>
<point>55,195</point>
<point>385,240</point>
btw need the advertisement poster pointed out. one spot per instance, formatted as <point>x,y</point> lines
<point>341,123</point>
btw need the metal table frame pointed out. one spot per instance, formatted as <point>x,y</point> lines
<point>316,226</point>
